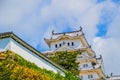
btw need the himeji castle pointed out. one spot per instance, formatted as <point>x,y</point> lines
<point>91,67</point>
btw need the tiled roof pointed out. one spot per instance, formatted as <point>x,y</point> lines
<point>73,33</point>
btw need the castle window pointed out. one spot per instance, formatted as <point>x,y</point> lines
<point>63,42</point>
<point>68,44</point>
<point>72,43</point>
<point>60,45</point>
<point>81,77</point>
<point>85,65</point>
<point>55,45</point>
<point>90,76</point>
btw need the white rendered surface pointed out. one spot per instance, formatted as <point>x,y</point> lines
<point>85,77</point>
<point>77,43</point>
<point>10,44</point>
<point>69,34</point>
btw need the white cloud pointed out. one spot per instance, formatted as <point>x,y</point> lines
<point>13,11</point>
<point>115,26</point>
<point>74,12</point>
<point>109,46</point>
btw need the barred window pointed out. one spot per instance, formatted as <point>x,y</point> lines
<point>90,76</point>
<point>55,45</point>
<point>60,45</point>
<point>68,44</point>
<point>72,43</point>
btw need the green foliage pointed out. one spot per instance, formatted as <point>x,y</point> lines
<point>12,68</point>
<point>70,76</point>
<point>67,60</point>
<point>15,67</point>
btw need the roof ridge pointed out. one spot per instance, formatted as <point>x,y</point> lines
<point>66,32</point>
<point>5,33</point>
<point>80,30</point>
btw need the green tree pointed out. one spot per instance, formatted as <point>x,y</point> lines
<point>67,60</point>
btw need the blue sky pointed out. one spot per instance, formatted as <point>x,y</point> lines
<point>33,20</point>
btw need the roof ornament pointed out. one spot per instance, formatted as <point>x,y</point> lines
<point>52,32</point>
<point>100,56</point>
<point>80,28</point>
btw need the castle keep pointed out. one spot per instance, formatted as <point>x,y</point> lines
<point>91,68</point>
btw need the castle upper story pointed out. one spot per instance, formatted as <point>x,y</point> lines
<point>90,67</point>
<point>69,41</point>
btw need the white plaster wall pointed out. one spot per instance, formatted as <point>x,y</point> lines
<point>81,66</point>
<point>95,76</point>
<point>27,54</point>
<point>4,44</point>
<point>77,43</point>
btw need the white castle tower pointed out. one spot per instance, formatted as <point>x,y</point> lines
<point>91,68</point>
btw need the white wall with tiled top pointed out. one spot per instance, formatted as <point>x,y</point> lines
<point>4,44</point>
<point>27,54</point>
